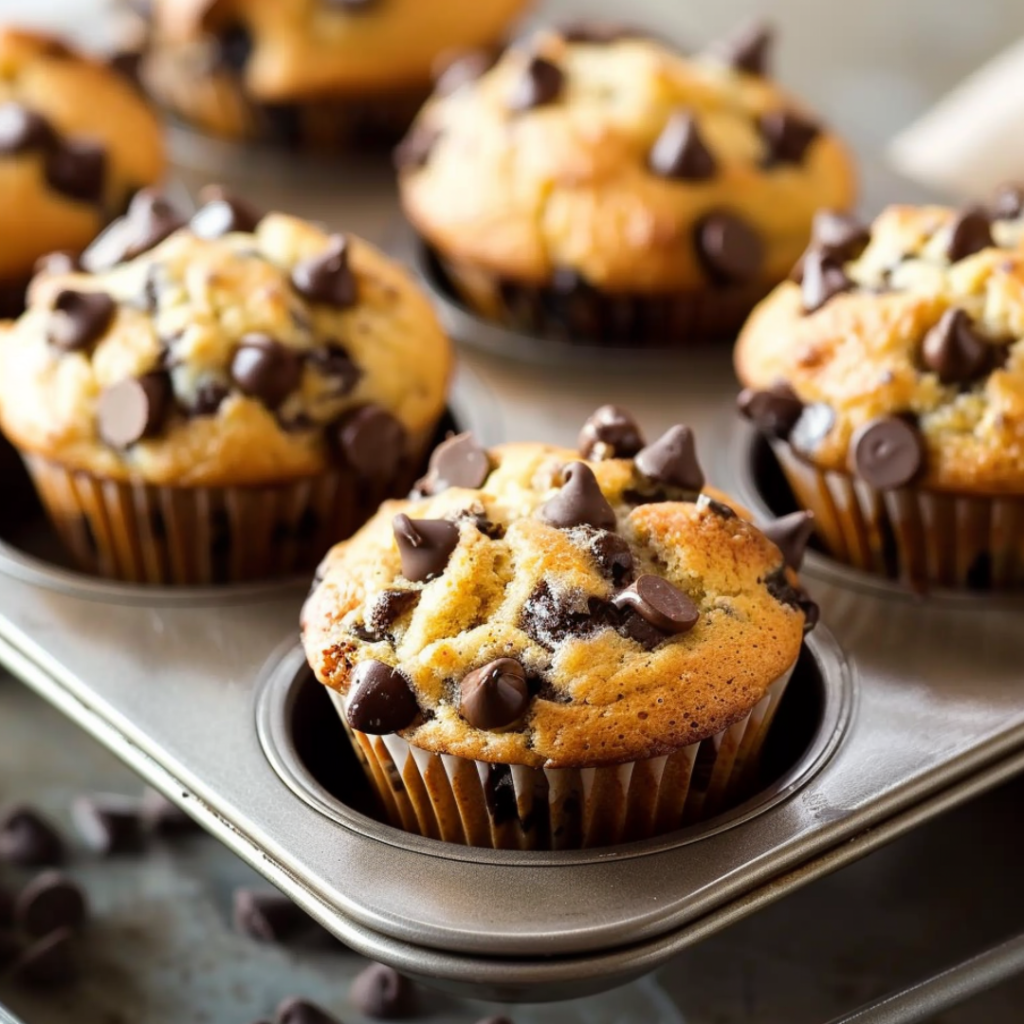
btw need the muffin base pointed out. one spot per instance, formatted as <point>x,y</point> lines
<point>923,539</point>
<point>514,807</point>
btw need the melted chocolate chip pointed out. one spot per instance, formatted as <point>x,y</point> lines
<point>381,992</point>
<point>790,535</point>
<point>747,49</point>
<point>614,556</point>
<point>813,426</point>
<point>1008,201</point>
<point>381,701</point>
<point>580,502</point>
<point>784,592</point>
<point>680,153</point>
<point>719,508</point>
<point>549,620</point>
<point>971,232</point>
<point>660,604</point>
<point>463,69</point>
<point>540,83</point>
<point>494,696</point>
<point>28,840</point>
<point>457,462</point>
<point>222,213</point>
<point>334,362</point>
<point>48,902</point>
<point>823,279</point>
<point>773,411</point>
<point>839,235</point>
<point>327,278</point>
<point>149,220</point>
<point>425,545</point>
<point>729,249</point>
<point>266,370</point>
<point>388,608</point>
<point>22,130</point>
<point>672,460</point>
<point>79,319</point>
<point>954,350</point>
<point>210,396</point>
<point>888,452</point>
<point>610,433</point>
<point>371,441</point>
<point>787,136</point>
<point>78,168</point>
<point>413,152</point>
<point>133,409</point>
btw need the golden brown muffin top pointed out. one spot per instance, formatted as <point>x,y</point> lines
<point>235,349</point>
<point>621,161</point>
<point>535,608</point>
<point>902,349</point>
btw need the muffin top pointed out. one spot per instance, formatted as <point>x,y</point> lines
<point>899,355</point>
<point>233,349</point>
<point>531,606</point>
<point>310,48</point>
<point>76,140</point>
<point>613,158</point>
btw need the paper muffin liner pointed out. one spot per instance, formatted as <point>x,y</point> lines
<point>921,538</point>
<point>514,807</point>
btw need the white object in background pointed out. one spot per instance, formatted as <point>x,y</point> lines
<point>93,24</point>
<point>973,139</point>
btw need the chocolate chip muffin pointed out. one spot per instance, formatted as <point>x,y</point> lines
<point>603,188</point>
<point>889,378</point>
<point>312,74</point>
<point>220,399</point>
<point>545,648</point>
<point>76,140</point>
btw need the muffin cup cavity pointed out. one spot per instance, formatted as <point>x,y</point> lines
<point>514,807</point>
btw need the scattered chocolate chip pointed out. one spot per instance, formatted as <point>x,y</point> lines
<point>48,902</point>
<point>729,249</point>
<point>680,153</point>
<point>954,350</point>
<point>494,696</point>
<point>540,83</point>
<point>457,462</point>
<point>333,362</point>
<point>672,460</point>
<point>599,33</point>
<point>149,220</point>
<point>79,319</point>
<point>839,235</point>
<point>425,545</point>
<point>22,130</point>
<point>463,69</point>
<point>823,279</point>
<point>49,963</point>
<point>108,823</point>
<point>56,263</point>
<point>77,169</point>
<point>381,700</point>
<point>133,409</point>
<point>610,432</point>
<point>413,152</point>
<point>791,534</point>
<point>774,411</point>
<point>165,818</point>
<point>787,136</point>
<point>888,452</point>
<point>210,396</point>
<point>747,49</point>
<point>371,441</point>
<point>265,369</point>
<point>1008,201</point>
<point>579,502</point>
<point>614,556</point>
<point>267,916</point>
<point>719,508</point>
<point>28,840</point>
<point>222,213</point>
<point>660,604</point>
<point>971,232</point>
<point>813,426</point>
<point>300,1011</point>
<point>327,278</point>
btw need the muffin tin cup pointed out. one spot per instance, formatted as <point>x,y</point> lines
<point>515,807</point>
<point>923,539</point>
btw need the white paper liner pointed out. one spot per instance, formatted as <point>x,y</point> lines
<point>513,807</point>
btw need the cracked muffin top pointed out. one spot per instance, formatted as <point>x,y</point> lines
<point>538,606</point>
<point>897,353</point>
<point>232,349</point>
<point>76,140</point>
<point>614,157</point>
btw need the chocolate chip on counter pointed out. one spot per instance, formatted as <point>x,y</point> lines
<point>823,279</point>
<point>327,277</point>
<point>164,818</point>
<point>78,169</point>
<point>971,232</point>
<point>413,152</point>
<point>267,916</point>
<point>266,370</point>
<point>540,83</point>
<point>463,69</point>
<point>672,460</point>
<point>954,350</point>
<point>301,1011</point>
<point>680,153</point>
<point>109,823</point>
<point>371,441</point>
<point>210,396</point>
<point>729,249</point>
<point>791,534</point>
<point>334,362</point>
<point>458,461</point>
<point>579,502</point>
<point>134,409</point>
<point>888,452</point>
<point>48,902</point>
<point>55,263</point>
<point>1007,201</point>
<point>494,696</point>
<point>222,213</point>
<point>660,604</point>
<point>22,130</point>
<point>774,411</point>
<point>813,426</point>
<point>787,136</point>
<point>425,545</point>
<point>149,220</point>
<point>381,701</point>
<point>610,432</point>
<point>79,319</point>
<point>614,556</point>
<point>29,840</point>
<point>747,49</point>
<point>49,963</point>
<point>383,994</point>
<point>839,235</point>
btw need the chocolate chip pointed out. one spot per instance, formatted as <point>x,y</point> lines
<point>580,502</point>
<point>210,396</point>
<point>371,441</point>
<point>1008,201</point>
<point>49,963</point>
<point>839,235</point>
<point>463,69</point>
<point>610,432</point>
<point>971,232</point>
<point>823,279</point>
<point>333,362</point>
<point>791,534</point>
<point>48,902</point>
<point>773,411</point>
<point>747,49</point>
<point>457,462</point>
<point>540,83</point>
<point>813,426</point>
<point>79,319</point>
<point>390,606</point>
<point>680,153</point>
<point>729,249</point>
<point>888,452</point>
<point>133,409</point>
<point>266,370</point>
<point>149,220</point>
<point>718,508</point>
<point>425,545</point>
<point>672,460</point>
<point>954,350</point>
<point>22,130</point>
<point>660,604</point>
<point>382,993</point>
<point>26,839</point>
<point>413,152</point>
<point>235,46</point>
<point>787,136</point>
<point>77,169</point>
<point>327,278</point>
<point>267,916</point>
<point>108,823</point>
<point>550,619</point>
<point>494,696</point>
<point>614,556</point>
<point>222,213</point>
<point>300,1011</point>
<point>784,592</point>
<point>381,700</point>
<point>164,817</point>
